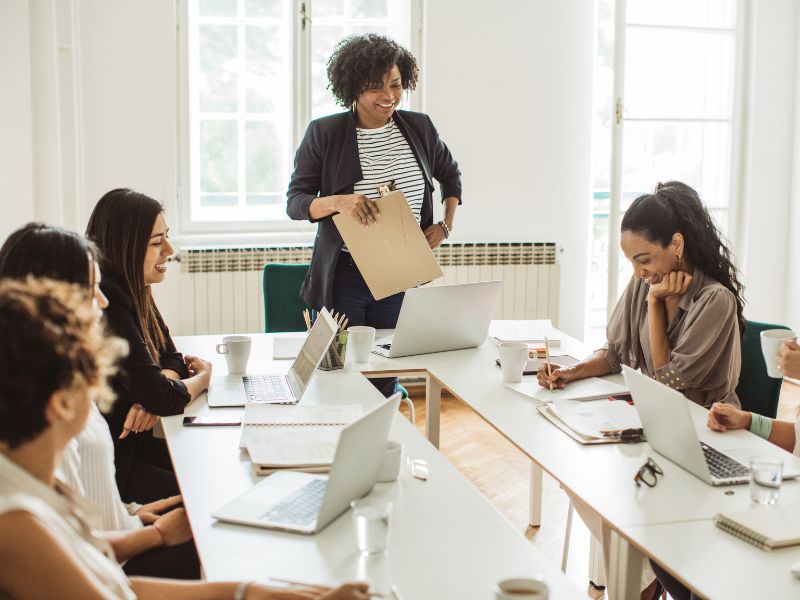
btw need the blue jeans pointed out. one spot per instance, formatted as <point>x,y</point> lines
<point>352,297</point>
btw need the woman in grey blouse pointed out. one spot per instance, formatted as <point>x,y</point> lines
<point>680,317</point>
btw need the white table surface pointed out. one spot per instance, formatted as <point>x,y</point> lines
<point>601,475</point>
<point>446,541</point>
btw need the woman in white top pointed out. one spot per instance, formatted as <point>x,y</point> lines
<point>152,540</point>
<point>723,417</point>
<point>54,362</point>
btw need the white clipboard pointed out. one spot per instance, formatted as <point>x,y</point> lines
<point>392,254</point>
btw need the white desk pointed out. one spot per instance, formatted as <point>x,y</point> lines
<point>447,541</point>
<point>602,476</point>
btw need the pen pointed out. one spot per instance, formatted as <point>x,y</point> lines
<point>547,357</point>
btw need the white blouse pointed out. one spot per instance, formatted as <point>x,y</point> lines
<point>62,513</point>
<point>87,466</point>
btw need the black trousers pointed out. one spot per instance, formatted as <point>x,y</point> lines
<point>174,562</point>
<point>151,476</point>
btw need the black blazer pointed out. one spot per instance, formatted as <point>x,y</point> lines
<point>140,380</point>
<point>327,163</point>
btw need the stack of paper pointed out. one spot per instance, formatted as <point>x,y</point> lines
<point>294,437</point>
<point>597,418</point>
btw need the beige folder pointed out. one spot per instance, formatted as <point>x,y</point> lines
<point>392,254</point>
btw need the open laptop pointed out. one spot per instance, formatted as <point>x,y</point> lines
<point>278,388</point>
<point>665,416</point>
<point>438,318</point>
<point>306,503</point>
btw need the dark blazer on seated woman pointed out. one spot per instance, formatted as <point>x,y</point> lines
<point>140,382</point>
<point>327,163</point>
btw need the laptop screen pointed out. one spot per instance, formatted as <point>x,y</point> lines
<point>310,355</point>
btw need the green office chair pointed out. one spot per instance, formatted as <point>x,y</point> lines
<point>283,307</point>
<point>757,391</point>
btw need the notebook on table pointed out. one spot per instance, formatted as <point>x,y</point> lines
<point>531,332</point>
<point>765,527</point>
<point>309,449</point>
<point>591,388</point>
<point>260,419</point>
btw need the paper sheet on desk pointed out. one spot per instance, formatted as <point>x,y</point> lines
<point>592,418</point>
<point>531,332</point>
<point>592,388</point>
<point>287,347</point>
<point>286,447</point>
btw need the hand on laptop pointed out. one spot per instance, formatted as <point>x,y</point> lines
<point>724,417</point>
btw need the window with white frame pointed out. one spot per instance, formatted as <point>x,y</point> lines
<point>255,76</point>
<point>666,81</point>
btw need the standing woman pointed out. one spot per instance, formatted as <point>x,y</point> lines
<point>345,158</point>
<point>131,234</point>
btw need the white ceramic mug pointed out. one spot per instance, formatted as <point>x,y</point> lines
<point>236,349</point>
<point>522,588</point>
<point>771,340</point>
<point>513,358</point>
<point>392,457</point>
<point>360,339</point>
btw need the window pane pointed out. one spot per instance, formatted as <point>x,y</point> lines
<point>328,8</point>
<point>367,28</point>
<point>264,82</point>
<point>369,9</point>
<point>263,8</point>
<point>218,165</point>
<point>691,13</point>
<point>216,8</point>
<point>217,77</point>
<point>325,37</point>
<point>696,153</point>
<point>264,165</point>
<point>678,74</point>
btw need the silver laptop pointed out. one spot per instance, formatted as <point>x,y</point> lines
<point>306,503</point>
<point>665,416</point>
<point>438,318</point>
<point>278,388</point>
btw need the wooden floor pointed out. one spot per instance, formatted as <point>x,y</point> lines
<point>501,473</point>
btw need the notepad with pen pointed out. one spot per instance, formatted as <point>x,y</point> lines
<point>765,527</point>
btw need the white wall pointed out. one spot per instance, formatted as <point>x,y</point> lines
<point>16,158</point>
<point>509,87</point>
<point>793,260</point>
<point>769,159</point>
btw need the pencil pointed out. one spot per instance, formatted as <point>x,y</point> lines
<point>547,357</point>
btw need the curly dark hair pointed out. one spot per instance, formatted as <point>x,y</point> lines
<point>52,342</point>
<point>359,62</point>
<point>673,208</point>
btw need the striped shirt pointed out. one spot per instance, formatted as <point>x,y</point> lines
<point>385,155</point>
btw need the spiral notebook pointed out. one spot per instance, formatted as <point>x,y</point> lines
<point>257,416</point>
<point>765,527</point>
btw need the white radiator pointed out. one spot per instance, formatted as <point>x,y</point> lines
<point>221,289</point>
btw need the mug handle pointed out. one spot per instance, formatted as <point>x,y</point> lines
<point>222,348</point>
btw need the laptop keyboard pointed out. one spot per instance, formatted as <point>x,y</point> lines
<point>264,388</point>
<point>302,507</point>
<point>721,466</point>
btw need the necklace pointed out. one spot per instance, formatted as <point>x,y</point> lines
<point>383,188</point>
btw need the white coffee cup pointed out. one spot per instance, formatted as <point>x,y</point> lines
<point>522,588</point>
<point>236,349</point>
<point>771,340</point>
<point>390,467</point>
<point>513,358</point>
<point>360,339</point>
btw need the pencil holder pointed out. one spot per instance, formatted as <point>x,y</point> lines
<point>334,357</point>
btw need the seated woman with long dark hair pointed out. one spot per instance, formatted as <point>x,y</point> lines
<point>680,318</point>
<point>131,234</point>
<point>154,539</point>
<point>54,363</point>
